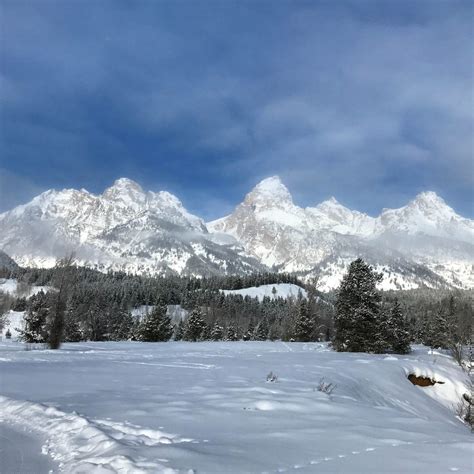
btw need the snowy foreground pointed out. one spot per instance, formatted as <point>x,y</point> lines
<point>207,408</point>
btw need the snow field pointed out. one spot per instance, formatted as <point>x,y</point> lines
<point>112,407</point>
<point>283,290</point>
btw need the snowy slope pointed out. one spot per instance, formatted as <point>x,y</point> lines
<point>11,286</point>
<point>282,290</point>
<point>14,322</point>
<point>177,407</point>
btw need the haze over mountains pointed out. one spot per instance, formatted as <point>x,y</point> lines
<point>126,228</point>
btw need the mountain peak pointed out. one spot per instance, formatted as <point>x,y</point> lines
<point>429,203</point>
<point>429,197</point>
<point>125,190</point>
<point>126,183</point>
<point>331,202</point>
<point>270,190</point>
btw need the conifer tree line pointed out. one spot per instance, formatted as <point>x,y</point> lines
<point>97,306</point>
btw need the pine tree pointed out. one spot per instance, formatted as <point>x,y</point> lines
<point>195,326</point>
<point>156,326</point>
<point>304,326</point>
<point>179,331</point>
<point>72,330</point>
<point>357,308</point>
<point>382,334</point>
<point>217,333</point>
<point>398,334</point>
<point>35,319</point>
<point>439,331</point>
<point>261,331</point>
<point>166,327</point>
<point>249,335</point>
<point>231,334</point>
<point>121,324</point>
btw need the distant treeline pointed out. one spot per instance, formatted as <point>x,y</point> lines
<point>97,306</point>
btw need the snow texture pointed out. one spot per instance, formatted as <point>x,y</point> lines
<point>282,290</point>
<point>208,408</point>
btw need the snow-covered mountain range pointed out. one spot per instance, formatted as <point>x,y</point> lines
<point>126,228</point>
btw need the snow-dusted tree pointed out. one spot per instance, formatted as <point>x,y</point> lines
<point>120,324</point>
<point>72,329</point>
<point>440,331</point>
<point>156,326</point>
<point>304,324</point>
<point>195,326</point>
<point>357,308</point>
<point>398,336</point>
<point>217,333</point>
<point>249,335</point>
<point>261,331</point>
<point>381,342</point>
<point>35,319</point>
<point>179,331</point>
<point>231,334</point>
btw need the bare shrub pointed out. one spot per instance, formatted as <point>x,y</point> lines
<point>271,377</point>
<point>464,411</point>
<point>458,351</point>
<point>326,387</point>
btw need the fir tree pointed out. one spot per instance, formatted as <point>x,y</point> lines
<point>382,334</point>
<point>217,333</point>
<point>439,331</point>
<point>357,308</point>
<point>120,324</point>
<point>35,319</point>
<point>249,335</point>
<point>261,331</point>
<point>179,330</point>
<point>195,326</point>
<point>398,334</point>
<point>156,326</point>
<point>72,331</point>
<point>304,326</point>
<point>231,334</point>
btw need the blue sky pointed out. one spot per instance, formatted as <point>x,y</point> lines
<point>368,101</point>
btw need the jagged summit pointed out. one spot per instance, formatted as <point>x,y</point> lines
<point>269,191</point>
<point>126,182</point>
<point>429,201</point>
<point>128,228</point>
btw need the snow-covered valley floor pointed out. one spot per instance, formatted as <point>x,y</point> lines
<point>178,407</point>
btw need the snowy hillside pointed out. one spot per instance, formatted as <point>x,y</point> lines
<point>186,407</point>
<point>278,290</point>
<point>12,287</point>
<point>14,322</point>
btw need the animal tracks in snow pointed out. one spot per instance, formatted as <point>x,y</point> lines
<point>325,459</point>
<point>322,460</point>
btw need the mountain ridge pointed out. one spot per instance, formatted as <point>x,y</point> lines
<point>127,228</point>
